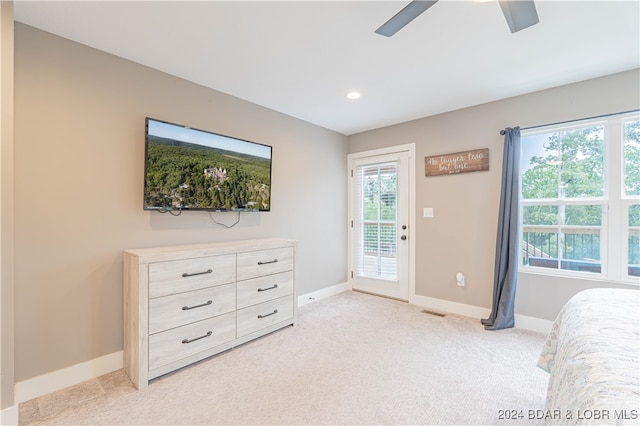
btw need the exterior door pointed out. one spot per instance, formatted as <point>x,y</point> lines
<point>379,224</point>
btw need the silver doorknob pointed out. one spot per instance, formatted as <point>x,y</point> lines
<point>404,237</point>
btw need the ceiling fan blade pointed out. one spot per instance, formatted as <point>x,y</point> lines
<point>406,15</point>
<point>520,14</point>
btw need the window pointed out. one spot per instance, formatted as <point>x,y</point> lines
<point>631,198</point>
<point>580,198</point>
<point>378,188</point>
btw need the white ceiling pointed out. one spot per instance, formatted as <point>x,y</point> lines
<point>302,57</point>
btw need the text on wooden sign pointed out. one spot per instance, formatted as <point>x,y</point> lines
<point>458,162</point>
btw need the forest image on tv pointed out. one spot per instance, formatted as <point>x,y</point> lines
<point>183,175</point>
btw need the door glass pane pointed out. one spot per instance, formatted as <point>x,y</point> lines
<point>377,199</point>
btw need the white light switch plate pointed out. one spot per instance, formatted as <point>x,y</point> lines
<point>427,212</point>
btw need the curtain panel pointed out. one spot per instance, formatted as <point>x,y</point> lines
<point>506,261</point>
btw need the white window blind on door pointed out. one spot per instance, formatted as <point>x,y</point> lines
<point>376,220</point>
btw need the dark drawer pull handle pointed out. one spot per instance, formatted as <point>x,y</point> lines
<point>266,263</point>
<point>208,271</point>
<point>209,333</point>
<point>186,308</point>
<point>265,289</point>
<point>275,311</point>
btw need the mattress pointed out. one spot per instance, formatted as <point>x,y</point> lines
<point>592,355</point>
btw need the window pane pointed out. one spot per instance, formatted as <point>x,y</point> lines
<point>581,239</point>
<point>582,215</point>
<point>634,215</point>
<point>581,250</point>
<point>539,167</point>
<point>634,241</point>
<point>582,167</point>
<point>378,252</point>
<point>388,191</point>
<point>539,248</point>
<point>632,157</point>
<point>388,239</point>
<point>540,215</point>
<point>564,164</point>
<point>377,187</point>
<point>370,238</point>
<point>370,194</point>
<point>574,245</point>
<point>539,236</point>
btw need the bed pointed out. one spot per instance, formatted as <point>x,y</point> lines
<point>592,355</point>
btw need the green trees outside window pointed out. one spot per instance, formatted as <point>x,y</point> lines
<point>569,198</point>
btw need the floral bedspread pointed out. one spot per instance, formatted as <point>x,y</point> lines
<point>593,356</point>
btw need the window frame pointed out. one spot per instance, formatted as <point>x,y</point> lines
<point>614,228</point>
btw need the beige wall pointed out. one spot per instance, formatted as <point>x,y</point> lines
<point>6,207</point>
<point>79,146</point>
<point>461,235</point>
<point>78,174</point>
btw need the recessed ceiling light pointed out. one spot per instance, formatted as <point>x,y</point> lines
<point>353,95</point>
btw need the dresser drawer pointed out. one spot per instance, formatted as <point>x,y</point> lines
<point>264,262</point>
<point>260,316</point>
<point>175,344</point>
<point>221,310</point>
<point>184,308</point>
<point>262,289</point>
<point>178,276</point>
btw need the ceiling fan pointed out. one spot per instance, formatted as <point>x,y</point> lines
<point>520,14</point>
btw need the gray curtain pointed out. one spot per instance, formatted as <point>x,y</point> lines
<point>506,264</point>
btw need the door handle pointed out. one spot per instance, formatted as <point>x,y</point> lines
<point>404,237</point>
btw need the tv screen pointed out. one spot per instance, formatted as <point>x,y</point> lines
<point>190,169</point>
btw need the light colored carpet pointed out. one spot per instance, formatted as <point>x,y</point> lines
<point>353,359</point>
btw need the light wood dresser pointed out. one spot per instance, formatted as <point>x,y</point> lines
<point>186,303</point>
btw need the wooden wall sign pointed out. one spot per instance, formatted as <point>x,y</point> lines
<point>458,162</point>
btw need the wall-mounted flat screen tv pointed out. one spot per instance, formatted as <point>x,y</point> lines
<point>191,169</point>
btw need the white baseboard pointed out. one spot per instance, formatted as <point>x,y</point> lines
<point>9,416</point>
<point>451,307</point>
<point>323,293</point>
<point>533,324</point>
<point>522,321</point>
<point>60,379</point>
